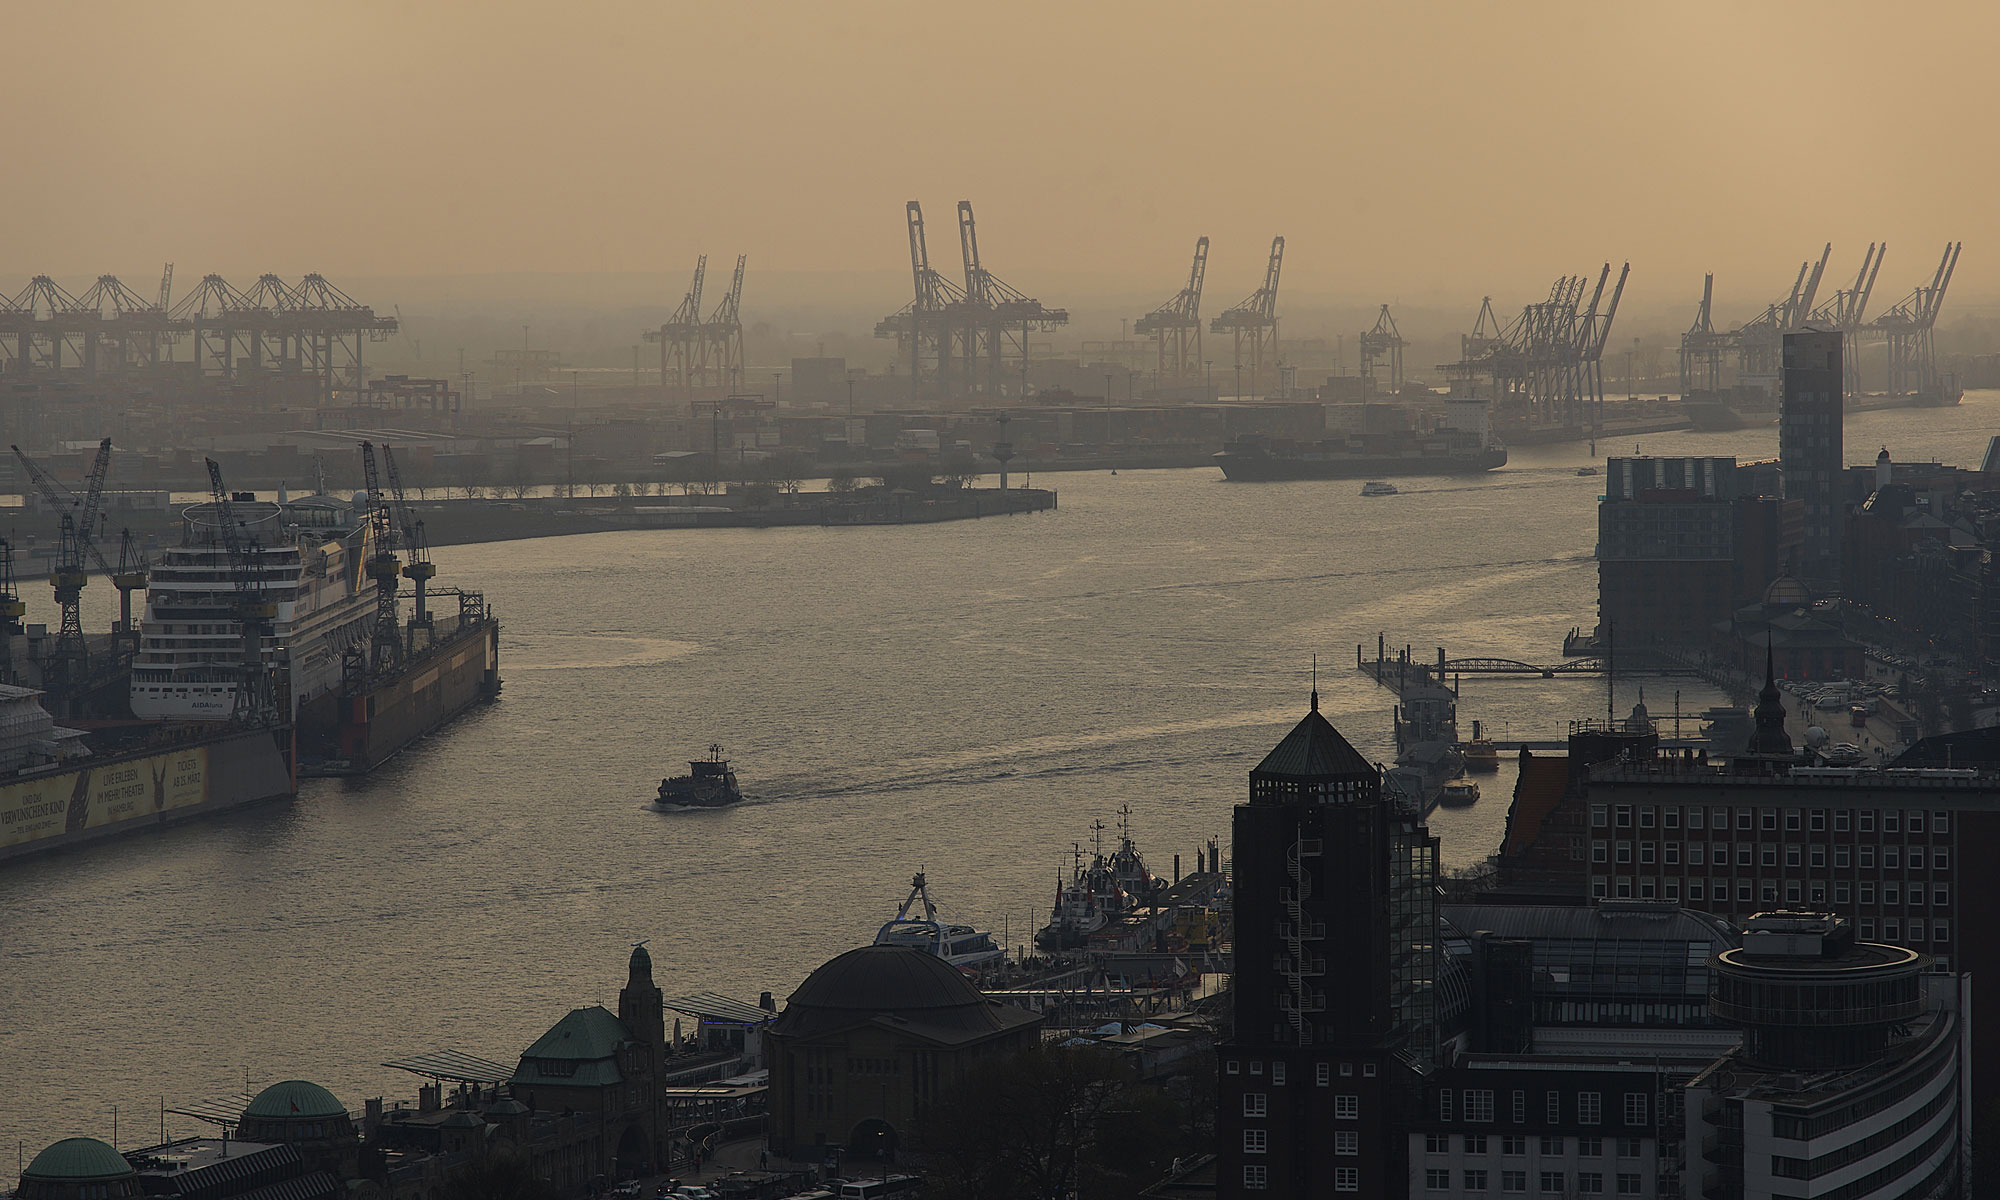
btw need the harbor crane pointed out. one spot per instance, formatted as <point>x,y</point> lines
<point>995,318</point>
<point>1844,311</point>
<point>76,519</point>
<point>1908,326</point>
<point>1702,346</point>
<point>419,570</point>
<point>12,610</point>
<point>680,336</point>
<point>1252,323</point>
<point>722,336</point>
<point>922,327</point>
<point>385,646</point>
<point>1382,343</point>
<point>1176,325</point>
<point>255,612</point>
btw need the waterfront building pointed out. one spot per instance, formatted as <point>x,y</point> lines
<point>1336,983</point>
<point>307,1118</point>
<point>1583,1024</point>
<point>79,1168</point>
<point>1683,542</point>
<point>869,1041</point>
<point>1849,1079</point>
<point>1810,428</point>
<point>609,1070</point>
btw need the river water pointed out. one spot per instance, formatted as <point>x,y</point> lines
<point>966,699</point>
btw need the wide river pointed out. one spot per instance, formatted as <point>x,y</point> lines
<point>965,699</point>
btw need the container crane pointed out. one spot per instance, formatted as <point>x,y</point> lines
<point>419,570</point>
<point>255,612</point>
<point>680,336</point>
<point>722,334</point>
<point>922,328</point>
<point>385,647</point>
<point>1382,343</point>
<point>12,610</point>
<point>1176,325</point>
<point>1253,321</point>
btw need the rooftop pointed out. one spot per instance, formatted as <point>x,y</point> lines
<point>78,1158</point>
<point>1314,750</point>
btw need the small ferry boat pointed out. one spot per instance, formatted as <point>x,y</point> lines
<point>960,945</point>
<point>709,783</point>
<point>1586,470</point>
<point>1459,792</point>
<point>1377,487</point>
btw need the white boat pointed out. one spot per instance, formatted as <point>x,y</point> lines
<point>308,555</point>
<point>959,945</point>
<point>1458,792</point>
<point>1377,487</point>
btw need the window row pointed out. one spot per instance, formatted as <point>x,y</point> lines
<point>1553,1183</point>
<point>1477,1106</point>
<point>1816,820</point>
<point>1746,854</point>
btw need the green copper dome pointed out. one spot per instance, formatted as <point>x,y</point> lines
<point>292,1099</point>
<point>78,1158</point>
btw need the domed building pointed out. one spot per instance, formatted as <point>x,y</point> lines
<point>308,1118</point>
<point>79,1168</point>
<point>870,1040</point>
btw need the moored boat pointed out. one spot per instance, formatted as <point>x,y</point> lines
<point>1480,753</point>
<point>1104,888</point>
<point>960,945</point>
<point>1458,793</point>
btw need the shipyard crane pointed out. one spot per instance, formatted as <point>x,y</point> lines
<point>130,576</point>
<point>1253,322</point>
<point>1845,310</point>
<point>166,287</point>
<point>255,612</point>
<point>680,336</point>
<point>385,646</point>
<point>922,328</point>
<point>1176,325</point>
<point>1384,341</point>
<point>12,610</point>
<point>70,573</point>
<point>1908,328</point>
<point>722,334</point>
<point>419,570</point>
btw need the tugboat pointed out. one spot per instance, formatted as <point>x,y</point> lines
<point>709,784</point>
<point>1106,888</point>
<point>960,945</point>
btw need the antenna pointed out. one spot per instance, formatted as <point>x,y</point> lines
<point>1315,688</point>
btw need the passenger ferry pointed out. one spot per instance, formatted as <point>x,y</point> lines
<point>960,945</point>
<point>308,557</point>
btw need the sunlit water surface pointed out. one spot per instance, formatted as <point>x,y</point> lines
<point>964,698</point>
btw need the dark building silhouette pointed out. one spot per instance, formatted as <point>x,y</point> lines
<point>1337,957</point>
<point>1810,425</point>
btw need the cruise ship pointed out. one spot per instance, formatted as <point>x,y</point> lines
<point>308,554</point>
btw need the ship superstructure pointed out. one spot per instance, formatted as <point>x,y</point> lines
<point>306,557</point>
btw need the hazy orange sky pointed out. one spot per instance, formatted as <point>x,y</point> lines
<point>1403,149</point>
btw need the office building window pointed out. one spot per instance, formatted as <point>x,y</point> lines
<point>1670,853</point>
<point>1589,1108</point>
<point>1695,889</point>
<point>1891,894</point>
<point>1437,1179</point>
<point>1842,893</point>
<point>1892,931</point>
<point>1791,891</point>
<point>1743,818</point>
<point>1255,1141</point>
<point>1589,1183</point>
<point>1347,1070</point>
<point>1624,812</point>
<point>1769,856</point>
<point>1743,892</point>
<point>1600,852</point>
<point>1891,821</point>
<point>1552,1183</point>
<point>1475,1181</point>
<point>1646,817</point>
<point>1437,1143</point>
<point>1867,893</point>
<point>1629,1184</point>
<point>1916,930</point>
<point>1818,856</point>
<point>1520,1106</point>
<point>1743,854</point>
<point>1367,1070</point>
<point>1347,1142</point>
<point>1769,893</point>
<point>1671,817</point>
<point>1673,889</point>
<point>1552,1147</point>
<point>1695,854</point>
<point>1941,822</point>
<point>1842,856</point>
<point>1444,1104</point>
<point>1513,1181</point>
<point>1791,821</point>
<point>1916,822</point>
<point>1475,1143</point>
<point>1479,1105</point>
<point>1770,821</point>
<point>1232,1067</point>
<point>1840,822</point>
<point>1253,1104</point>
<point>1866,821</point>
<point>1323,1074</point>
<point>1348,1108</point>
<point>1817,821</point>
<point>1890,858</point>
<point>1940,859</point>
<point>1916,859</point>
<point>1513,1145</point>
<point>1635,1108</point>
<point>1590,1147</point>
<point>1598,816</point>
<point>1624,852</point>
<point>1867,930</point>
<point>1792,855</point>
<point>1256,1178</point>
<point>1347,1179</point>
<point>1629,1147</point>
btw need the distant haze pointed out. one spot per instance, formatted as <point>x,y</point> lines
<point>1422,153</point>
